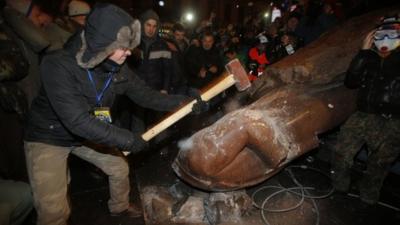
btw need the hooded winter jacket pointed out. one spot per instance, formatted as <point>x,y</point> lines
<point>378,81</point>
<point>61,114</point>
<point>155,64</point>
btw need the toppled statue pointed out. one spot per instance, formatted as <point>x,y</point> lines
<point>251,144</point>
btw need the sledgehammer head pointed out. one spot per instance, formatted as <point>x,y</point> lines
<point>235,68</point>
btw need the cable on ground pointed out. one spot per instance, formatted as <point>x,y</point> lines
<point>299,190</point>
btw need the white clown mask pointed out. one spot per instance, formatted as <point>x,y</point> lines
<point>387,40</point>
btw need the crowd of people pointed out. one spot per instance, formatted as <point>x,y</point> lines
<point>63,76</point>
<point>257,42</point>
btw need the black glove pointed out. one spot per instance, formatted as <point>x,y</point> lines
<point>138,145</point>
<point>200,106</point>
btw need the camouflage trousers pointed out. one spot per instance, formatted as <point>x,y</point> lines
<point>49,178</point>
<point>382,137</point>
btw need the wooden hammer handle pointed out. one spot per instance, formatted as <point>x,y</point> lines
<point>221,86</point>
<point>167,122</point>
<point>210,93</point>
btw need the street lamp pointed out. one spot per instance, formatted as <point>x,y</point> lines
<point>189,17</point>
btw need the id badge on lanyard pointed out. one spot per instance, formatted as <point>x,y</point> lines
<point>101,113</point>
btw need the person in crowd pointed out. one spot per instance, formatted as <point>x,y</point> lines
<point>309,29</point>
<point>24,41</point>
<point>374,71</point>
<point>72,112</point>
<point>222,38</point>
<point>152,59</point>
<point>237,43</point>
<point>13,105</point>
<point>204,26</point>
<point>16,202</point>
<point>25,21</point>
<point>194,42</point>
<point>203,63</point>
<point>71,21</point>
<point>231,52</point>
<point>272,34</point>
<point>63,27</point>
<point>258,57</point>
<point>212,20</point>
<point>231,30</point>
<point>77,13</point>
<point>291,29</point>
<point>179,38</point>
<point>327,19</point>
<point>178,45</point>
<point>286,46</point>
<point>291,24</point>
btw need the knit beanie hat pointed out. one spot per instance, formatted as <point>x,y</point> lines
<point>78,8</point>
<point>107,29</point>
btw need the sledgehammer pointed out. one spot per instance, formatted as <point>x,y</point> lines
<point>234,75</point>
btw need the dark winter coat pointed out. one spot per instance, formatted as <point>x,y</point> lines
<point>178,79</point>
<point>197,58</point>
<point>155,64</point>
<point>378,80</point>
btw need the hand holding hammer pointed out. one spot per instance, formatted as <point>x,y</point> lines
<point>234,75</point>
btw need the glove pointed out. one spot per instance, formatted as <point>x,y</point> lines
<point>200,106</point>
<point>138,145</point>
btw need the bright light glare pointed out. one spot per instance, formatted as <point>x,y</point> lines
<point>189,17</point>
<point>161,3</point>
<point>266,15</point>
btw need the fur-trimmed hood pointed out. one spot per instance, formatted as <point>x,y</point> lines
<point>107,28</point>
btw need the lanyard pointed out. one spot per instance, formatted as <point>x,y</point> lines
<point>99,96</point>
